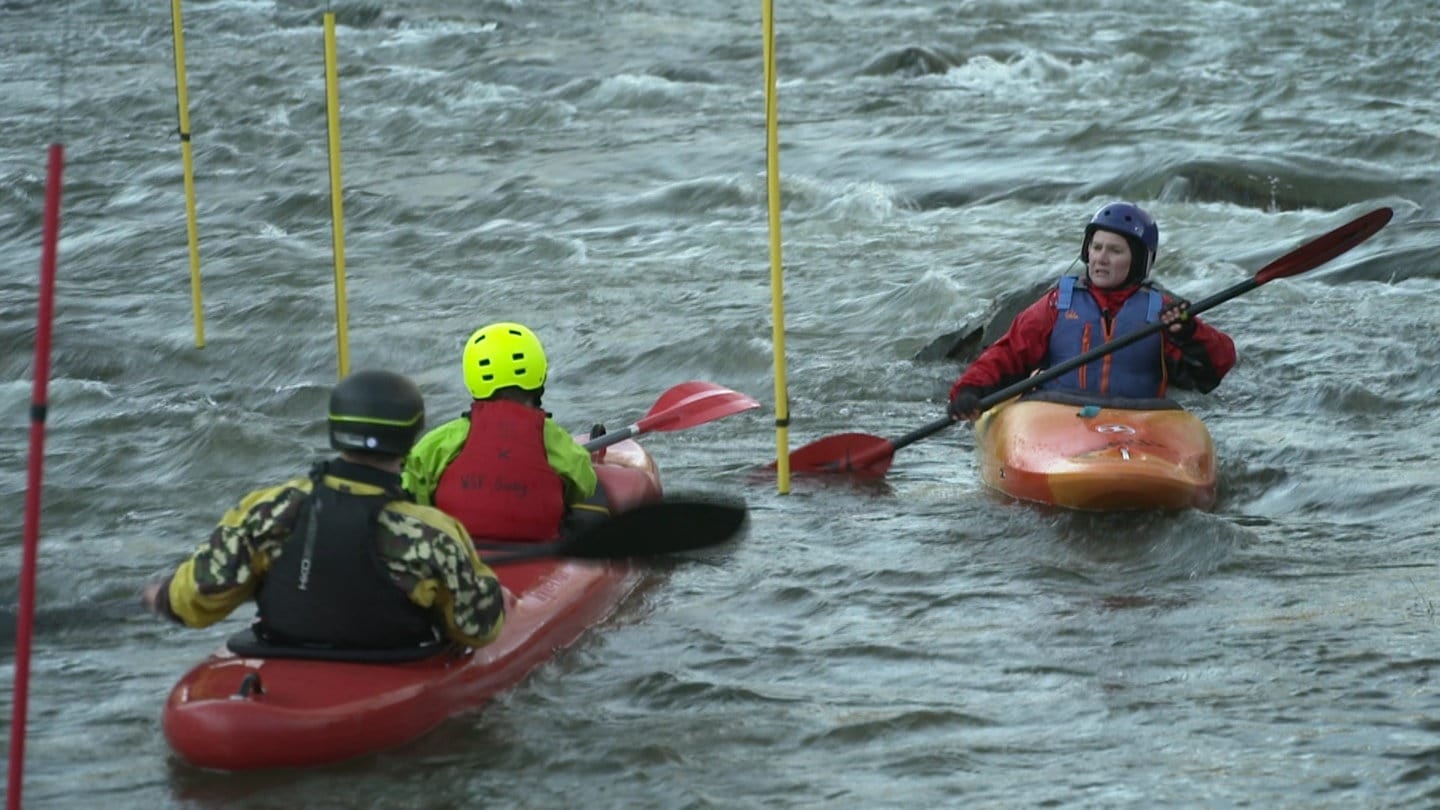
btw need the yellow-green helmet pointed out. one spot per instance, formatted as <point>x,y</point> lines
<point>502,355</point>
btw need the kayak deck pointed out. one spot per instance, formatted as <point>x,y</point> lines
<point>1093,455</point>
<point>234,712</point>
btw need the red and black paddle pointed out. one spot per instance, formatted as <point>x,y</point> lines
<point>683,406</point>
<point>866,455</point>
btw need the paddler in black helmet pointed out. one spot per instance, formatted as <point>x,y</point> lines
<point>343,559</point>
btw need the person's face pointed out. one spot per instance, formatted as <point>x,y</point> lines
<point>1109,259</point>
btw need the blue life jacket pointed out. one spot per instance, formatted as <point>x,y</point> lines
<point>1136,371</point>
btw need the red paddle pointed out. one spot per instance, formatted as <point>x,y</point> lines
<point>683,406</point>
<point>866,455</point>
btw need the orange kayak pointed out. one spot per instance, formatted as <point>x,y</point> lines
<point>1097,454</point>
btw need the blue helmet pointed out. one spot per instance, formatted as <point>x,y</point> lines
<point>1138,228</point>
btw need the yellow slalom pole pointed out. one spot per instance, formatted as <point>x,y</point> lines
<point>186,157</point>
<point>337,203</point>
<point>777,285</point>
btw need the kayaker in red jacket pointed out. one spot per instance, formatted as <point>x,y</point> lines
<point>1112,299</point>
<point>342,559</point>
<point>505,469</point>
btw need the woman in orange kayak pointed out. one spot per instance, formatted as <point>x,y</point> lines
<point>505,469</point>
<point>1113,298</point>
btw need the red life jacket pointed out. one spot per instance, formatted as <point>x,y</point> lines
<point>501,486</point>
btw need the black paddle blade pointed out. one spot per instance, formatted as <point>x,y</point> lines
<point>669,526</point>
<point>664,527</point>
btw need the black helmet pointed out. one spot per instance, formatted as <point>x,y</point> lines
<point>376,412</point>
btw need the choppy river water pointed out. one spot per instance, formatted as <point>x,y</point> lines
<point>596,169</point>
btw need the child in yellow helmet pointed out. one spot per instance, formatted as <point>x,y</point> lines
<point>505,469</point>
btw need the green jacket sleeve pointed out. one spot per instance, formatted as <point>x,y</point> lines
<point>429,458</point>
<point>571,461</point>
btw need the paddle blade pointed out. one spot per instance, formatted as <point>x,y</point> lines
<point>853,453</point>
<point>1325,247</point>
<point>693,403</point>
<point>660,527</point>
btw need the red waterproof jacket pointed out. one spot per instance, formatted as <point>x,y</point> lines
<point>1199,365</point>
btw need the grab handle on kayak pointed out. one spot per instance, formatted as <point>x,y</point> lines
<point>249,687</point>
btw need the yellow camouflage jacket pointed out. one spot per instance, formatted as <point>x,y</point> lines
<point>428,553</point>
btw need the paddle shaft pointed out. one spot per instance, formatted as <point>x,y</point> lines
<point>614,437</point>
<point>1308,256</point>
<point>1037,380</point>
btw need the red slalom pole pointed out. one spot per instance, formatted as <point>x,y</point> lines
<point>25,619</point>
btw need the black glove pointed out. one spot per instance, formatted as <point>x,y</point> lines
<point>1181,308</point>
<point>965,404</point>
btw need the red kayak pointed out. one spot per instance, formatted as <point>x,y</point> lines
<point>237,712</point>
